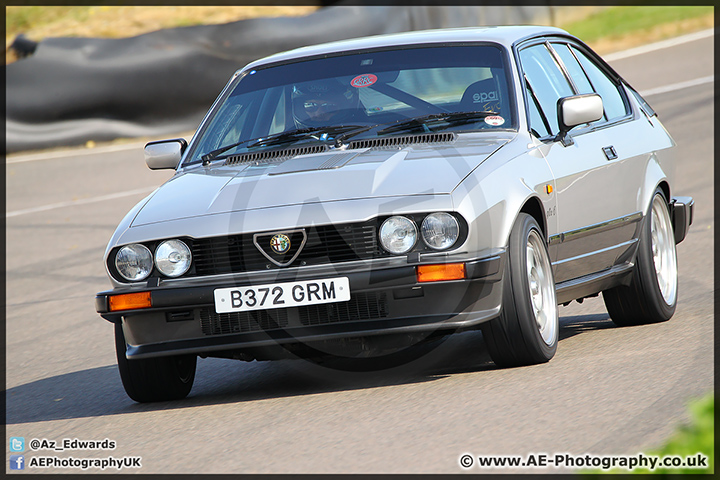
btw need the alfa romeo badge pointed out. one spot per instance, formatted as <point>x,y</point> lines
<point>280,243</point>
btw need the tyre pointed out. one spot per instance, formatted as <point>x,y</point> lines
<point>154,379</point>
<point>651,296</point>
<point>526,332</point>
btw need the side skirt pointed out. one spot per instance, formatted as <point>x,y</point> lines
<point>594,283</point>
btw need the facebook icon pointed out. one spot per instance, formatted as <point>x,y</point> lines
<point>17,462</point>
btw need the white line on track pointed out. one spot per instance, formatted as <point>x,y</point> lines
<point>73,153</point>
<point>678,86</point>
<point>83,201</point>
<point>672,42</point>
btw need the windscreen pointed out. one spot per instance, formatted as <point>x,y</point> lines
<point>322,96</point>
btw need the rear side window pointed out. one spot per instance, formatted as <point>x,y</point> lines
<point>643,103</point>
<point>612,99</point>
<point>546,81</point>
<point>573,68</point>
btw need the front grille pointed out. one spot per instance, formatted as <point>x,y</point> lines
<point>328,244</point>
<point>325,244</point>
<point>362,306</point>
<point>214,323</point>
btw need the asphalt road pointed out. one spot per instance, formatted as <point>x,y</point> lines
<point>608,390</point>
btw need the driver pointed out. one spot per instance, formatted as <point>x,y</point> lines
<point>325,102</point>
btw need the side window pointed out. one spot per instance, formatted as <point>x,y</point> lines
<point>612,100</point>
<point>573,68</point>
<point>547,82</point>
<point>643,104</point>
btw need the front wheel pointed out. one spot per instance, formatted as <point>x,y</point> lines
<point>526,332</point>
<point>652,294</point>
<point>154,379</point>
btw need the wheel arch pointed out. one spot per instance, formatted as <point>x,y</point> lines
<point>655,177</point>
<point>533,206</point>
<point>530,205</point>
<point>665,187</point>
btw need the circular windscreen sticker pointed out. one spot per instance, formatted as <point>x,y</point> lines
<point>364,80</point>
<point>494,120</point>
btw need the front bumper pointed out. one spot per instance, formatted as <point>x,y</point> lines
<point>388,301</point>
<point>681,214</point>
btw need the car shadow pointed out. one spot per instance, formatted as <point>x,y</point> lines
<point>96,392</point>
<point>577,324</point>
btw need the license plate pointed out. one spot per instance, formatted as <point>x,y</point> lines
<point>282,295</point>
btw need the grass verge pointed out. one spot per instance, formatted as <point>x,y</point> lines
<point>617,28</point>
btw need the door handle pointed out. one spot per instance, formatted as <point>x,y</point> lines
<point>610,152</point>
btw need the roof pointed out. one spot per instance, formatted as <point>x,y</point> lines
<point>504,35</point>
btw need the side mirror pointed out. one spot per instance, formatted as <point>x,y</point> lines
<point>164,154</point>
<point>576,110</point>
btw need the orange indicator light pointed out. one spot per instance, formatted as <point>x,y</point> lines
<point>548,189</point>
<point>130,301</point>
<point>438,273</point>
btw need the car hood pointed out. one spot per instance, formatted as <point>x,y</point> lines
<point>336,175</point>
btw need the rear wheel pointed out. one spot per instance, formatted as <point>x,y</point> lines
<point>652,294</point>
<point>526,332</point>
<point>154,379</point>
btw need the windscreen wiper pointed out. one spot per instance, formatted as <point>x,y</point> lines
<point>453,118</point>
<point>340,139</point>
<point>290,136</point>
<point>301,133</point>
<point>219,151</point>
<point>279,138</point>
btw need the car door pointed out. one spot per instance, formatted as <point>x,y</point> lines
<point>598,173</point>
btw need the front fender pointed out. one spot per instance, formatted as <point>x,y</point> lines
<point>124,225</point>
<point>492,197</point>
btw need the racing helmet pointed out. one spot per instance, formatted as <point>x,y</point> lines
<point>324,102</point>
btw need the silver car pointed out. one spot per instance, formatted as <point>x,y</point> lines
<point>361,197</point>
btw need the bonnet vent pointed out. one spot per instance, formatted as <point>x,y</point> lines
<point>274,155</point>
<point>404,140</point>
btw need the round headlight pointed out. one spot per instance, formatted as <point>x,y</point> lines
<point>440,230</point>
<point>173,258</point>
<point>134,262</point>
<point>398,235</point>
